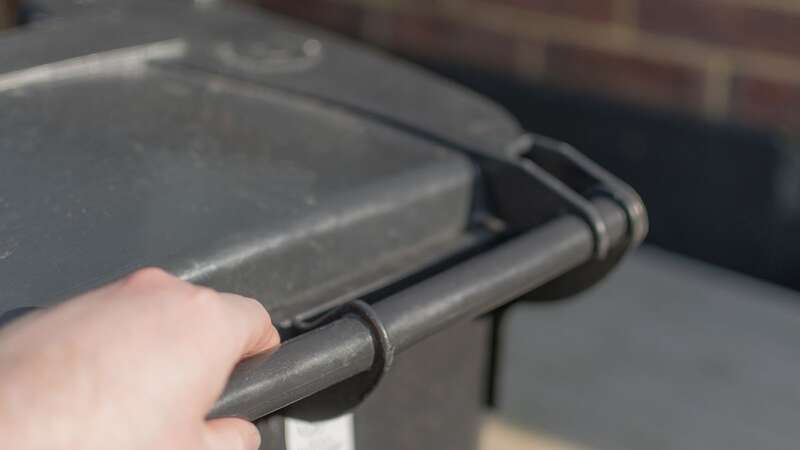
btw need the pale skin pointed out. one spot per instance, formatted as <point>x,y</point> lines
<point>134,365</point>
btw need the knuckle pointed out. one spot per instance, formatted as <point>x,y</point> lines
<point>193,304</point>
<point>202,299</point>
<point>258,308</point>
<point>149,277</point>
<point>203,303</point>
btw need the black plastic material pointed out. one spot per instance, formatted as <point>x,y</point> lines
<point>349,394</point>
<point>343,348</point>
<point>155,133</point>
<point>588,179</point>
<point>536,169</point>
<point>257,156</point>
<point>546,159</point>
<point>360,340</point>
<point>429,401</point>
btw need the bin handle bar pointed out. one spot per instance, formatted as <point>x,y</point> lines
<point>346,347</point>
<point>323,357</point>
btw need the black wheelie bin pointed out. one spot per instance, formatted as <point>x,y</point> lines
<point>378,211</point>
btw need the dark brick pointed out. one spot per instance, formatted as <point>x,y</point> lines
<point>444,40</point>
<point>8,13</point>
<point>329,14</point>
<point>584,9</point>
<point>770,104</point>
<point>725,23</point>
<point>626,77</point>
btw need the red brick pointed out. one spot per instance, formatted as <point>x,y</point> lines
<point>330,14</point>
<point>626,77</point>
<point>770,104</point>
<point>584,9</point>
<point>445,40</point>
<point>8,13</point>
<point>720,22</point>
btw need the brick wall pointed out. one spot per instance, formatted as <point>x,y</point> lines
<point>729,60</point>
<point>8,13</point>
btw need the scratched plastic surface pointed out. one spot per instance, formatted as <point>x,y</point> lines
<point>243,188</point>
<point>233,148</point>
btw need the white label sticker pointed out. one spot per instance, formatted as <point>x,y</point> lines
<point>333,434</point>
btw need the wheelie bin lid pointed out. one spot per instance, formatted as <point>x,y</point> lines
<point>234,149</point>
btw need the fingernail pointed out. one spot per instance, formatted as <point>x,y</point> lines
<point>252,439</point>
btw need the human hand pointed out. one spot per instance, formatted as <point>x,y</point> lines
<point>135,365</point>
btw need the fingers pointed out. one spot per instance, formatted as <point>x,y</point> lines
<point>227,326</point>
<point>231,434</point>
<point>150,348</point>
<point>189,332</point>
<point>248,316</point>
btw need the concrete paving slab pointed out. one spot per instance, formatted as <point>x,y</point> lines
<point>667,354</point>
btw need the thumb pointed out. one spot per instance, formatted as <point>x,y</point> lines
<point>231,434</point>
